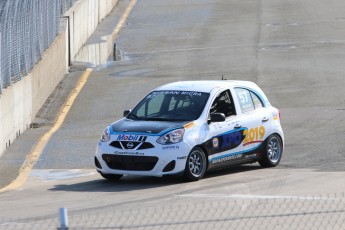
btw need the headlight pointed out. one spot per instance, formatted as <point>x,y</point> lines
<point>171,137</point>
<point>106,135</point>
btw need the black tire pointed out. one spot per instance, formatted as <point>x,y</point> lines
<point>196,165</point>
<point>272,151</point>
<point>111,177</point>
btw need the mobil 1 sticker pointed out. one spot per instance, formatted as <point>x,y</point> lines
<point>131,138</point>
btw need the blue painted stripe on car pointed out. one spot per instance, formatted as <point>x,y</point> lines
<point>141,133</point>
<point>232,131</point>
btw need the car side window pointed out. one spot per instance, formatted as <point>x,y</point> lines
<point>256,100</point>
<point>245,99</point>
<point>223,104</point>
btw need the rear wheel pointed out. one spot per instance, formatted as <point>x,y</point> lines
<point>111,177</point>
<point>196,165</point>
<point>273,151</point>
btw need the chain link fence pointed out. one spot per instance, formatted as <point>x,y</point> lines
<point>218,212</point>
<point>27,29</point>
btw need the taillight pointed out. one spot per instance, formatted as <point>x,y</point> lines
<point>279,114</point>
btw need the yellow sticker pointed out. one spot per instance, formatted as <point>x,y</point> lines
<point>215,142</point>
<point>189,125</point>
<point>254,135</point>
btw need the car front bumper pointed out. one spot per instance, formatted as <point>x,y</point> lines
<point>159,160</point>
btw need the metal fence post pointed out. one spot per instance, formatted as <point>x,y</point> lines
<point>63,219</point>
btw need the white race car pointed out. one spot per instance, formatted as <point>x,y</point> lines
<point>191,127</point>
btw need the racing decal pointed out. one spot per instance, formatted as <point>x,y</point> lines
<point>181,158</point>
<point>170,147</point>
<point>190,93</point>
<point>217,125</point>
<point>254,135</point>
<point>189,125</point>
<point>253,155</point>
<point>264,100</point>
<point>227,158</point>
<point>275,115</point>
<point>233,158</point>
<point>215,142</point>
<point>226,141</point>
<point>129,153</point>
<point>131,138</point>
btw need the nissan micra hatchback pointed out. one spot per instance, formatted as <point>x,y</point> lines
<point>191,127</point>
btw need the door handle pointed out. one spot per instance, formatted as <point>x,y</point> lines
<point>265,119</point>
<point>237,126</point>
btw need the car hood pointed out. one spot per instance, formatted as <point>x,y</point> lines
<point>149,127</point>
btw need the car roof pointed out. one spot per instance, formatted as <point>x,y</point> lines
<point>205,86</point>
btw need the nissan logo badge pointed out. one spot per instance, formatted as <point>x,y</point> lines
<point>130,145</point>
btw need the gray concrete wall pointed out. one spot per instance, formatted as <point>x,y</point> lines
<point>84,17</point>
<point>20,102</point>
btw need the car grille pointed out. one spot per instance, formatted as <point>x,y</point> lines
<point>133,145</point>
<point>131,163</point>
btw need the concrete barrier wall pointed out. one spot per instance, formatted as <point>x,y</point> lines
<point>84,17</point>
<point>105,7</point>
<point>49,72</point>
<point>20,102</point>
<point>15,111</point>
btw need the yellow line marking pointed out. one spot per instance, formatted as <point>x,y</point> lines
<point>36,152</point>
<point>124,16</point>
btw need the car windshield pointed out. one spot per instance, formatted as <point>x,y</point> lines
<point>170,106</point>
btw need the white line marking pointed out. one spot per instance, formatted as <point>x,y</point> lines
<point>239,46</point>
<point>265,197</point>
<point>47,175</point>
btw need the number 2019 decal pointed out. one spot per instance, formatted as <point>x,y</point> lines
<point>254,135</point>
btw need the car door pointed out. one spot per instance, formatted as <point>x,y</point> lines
<point>225,143</point>
<point>255,119</point>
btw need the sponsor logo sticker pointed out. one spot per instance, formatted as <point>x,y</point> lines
<point>171,92</point>
<point>129,153</point>
<point>131,138</point>
<point>170,147</point>
<point>189,125</point>
<point>254,135</point>
<point>254,155</point>
<point>228,158</point>
<point>215,142</point>
<point>275,115</point>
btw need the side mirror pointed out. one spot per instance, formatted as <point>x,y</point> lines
<point>217,117</point>
<point>126,112</point>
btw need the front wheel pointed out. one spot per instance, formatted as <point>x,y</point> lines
<point>196,165</point>
<point>111,177</point>
<point>273,150</point>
